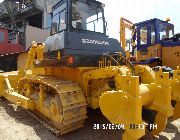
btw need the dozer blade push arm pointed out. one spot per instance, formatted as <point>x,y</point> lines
<point>147,76</point>
<point>9,91</point>
<point>175,85</point>
<point>35,54</point>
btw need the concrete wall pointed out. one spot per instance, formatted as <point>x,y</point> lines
<point>45,6</point>
<point>2,8</point>
<point>43,3</point>
<point>35,34</point>
<point>40,4</point>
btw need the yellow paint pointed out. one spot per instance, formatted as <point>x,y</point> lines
<point>125,24</point>
<point>175,86</point>
<point>35,54</point>
<point>59,55</point>
<point>171,56</point>
<point>153,51</point>
<point>9,91</point>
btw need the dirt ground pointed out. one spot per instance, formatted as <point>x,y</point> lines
<point>16,124</point>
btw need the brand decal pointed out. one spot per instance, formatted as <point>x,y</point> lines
<point>89,41</point>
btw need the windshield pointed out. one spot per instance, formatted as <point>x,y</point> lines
<point>143,35</point>
<point>87,16</point>
<point>58,18</point>
<point>165,31</point>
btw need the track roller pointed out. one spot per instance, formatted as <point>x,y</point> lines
<point>61,103</point>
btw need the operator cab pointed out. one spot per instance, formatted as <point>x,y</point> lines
<point>75,15</point>
<point>152,32</point>
<point>155,41</point>
<point>79,30</point>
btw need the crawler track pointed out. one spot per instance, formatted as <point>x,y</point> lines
<point>64,105</point>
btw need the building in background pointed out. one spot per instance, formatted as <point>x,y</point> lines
<point>32,18</point>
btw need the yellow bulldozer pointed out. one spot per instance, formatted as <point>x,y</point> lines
<point>78,66</point>
<point>153,42</point>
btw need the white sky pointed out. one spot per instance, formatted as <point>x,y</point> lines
<point>139,10</point>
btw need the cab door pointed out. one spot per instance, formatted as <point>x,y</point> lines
<point>147,44</point>
<point>143,41</point>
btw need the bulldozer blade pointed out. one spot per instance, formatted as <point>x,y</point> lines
<point>176,114</point>
<point>160,123</point>
<point>21,62</point>
<point>121,107</point>
<point>125,105</point>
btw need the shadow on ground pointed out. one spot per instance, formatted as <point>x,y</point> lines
<point>86,133</point>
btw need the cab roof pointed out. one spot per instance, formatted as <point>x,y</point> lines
<point>87,1</point>
<point>154,20</point>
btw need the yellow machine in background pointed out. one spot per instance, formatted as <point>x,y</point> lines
<point>124,23</point>
<point>154,42</point>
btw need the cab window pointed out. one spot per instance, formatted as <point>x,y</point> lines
<point>58,19</point>
<point>87,16</point>
<point>143,35</point>
<point>165,31</point>
<point>1,36</point>
<point>153,35</point>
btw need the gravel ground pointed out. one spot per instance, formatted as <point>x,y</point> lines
<point>16,124</point>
